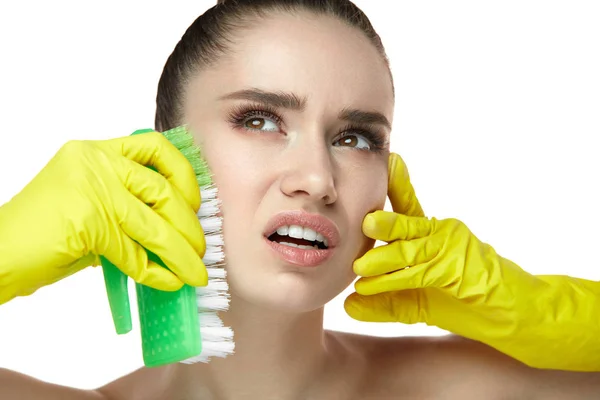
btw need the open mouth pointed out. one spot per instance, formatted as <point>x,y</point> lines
<point>300,237</point>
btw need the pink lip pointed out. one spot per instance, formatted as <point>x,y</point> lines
<point>302,257</point>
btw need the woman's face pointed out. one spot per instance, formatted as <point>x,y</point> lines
<point>295,118</point>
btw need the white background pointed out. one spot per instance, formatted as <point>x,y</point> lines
<point>497,117</point>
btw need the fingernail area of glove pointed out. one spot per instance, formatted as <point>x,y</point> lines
<point>369,224</point>
<point>361,288</point>
<point>379,224</point>
<point>359,267</point>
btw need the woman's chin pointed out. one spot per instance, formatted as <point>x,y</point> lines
<point>287,293</point>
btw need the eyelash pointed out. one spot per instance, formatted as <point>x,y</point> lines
<point>241,114</point>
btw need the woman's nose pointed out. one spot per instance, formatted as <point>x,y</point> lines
<point>309,172</point>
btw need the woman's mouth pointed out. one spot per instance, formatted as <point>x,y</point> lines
<point>300,255</point>
<point>301,238</point>
<point>298,236</point>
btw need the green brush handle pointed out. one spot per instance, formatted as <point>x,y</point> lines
<point>169,321</point>
<point>118,296</point>
<point>116,286</point>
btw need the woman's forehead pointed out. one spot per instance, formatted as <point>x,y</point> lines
<point>332,64</point>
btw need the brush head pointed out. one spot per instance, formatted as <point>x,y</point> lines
<point>184,142</point>
<point>184,326</point>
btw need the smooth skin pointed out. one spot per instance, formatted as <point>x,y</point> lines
<point>282,350</point>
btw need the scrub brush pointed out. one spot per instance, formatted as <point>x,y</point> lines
<point>181,326</point>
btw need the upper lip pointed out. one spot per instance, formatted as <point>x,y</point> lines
<point>316,222</point>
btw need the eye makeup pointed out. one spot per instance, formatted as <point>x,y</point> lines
<point>240,115</point>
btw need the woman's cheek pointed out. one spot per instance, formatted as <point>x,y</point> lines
<point>374,199</point>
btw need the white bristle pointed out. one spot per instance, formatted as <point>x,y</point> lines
<point>217,340</point>
<point>216,286</point>
<point>213,257</point>
<point>213,243</point>
<point>218,348</point>
<point>213,302</point>
<point>216,272</point>
<point>211,225</point>
<point>211,320</point>
<point>213,334</point>
<point>208,208</point>
<point>218,304</point>
<point>208,193</point>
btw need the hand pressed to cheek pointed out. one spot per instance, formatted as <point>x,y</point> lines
<point>449,269</point>
<point>392,228</point>
<point>388,290</point>
<point>412,241</point>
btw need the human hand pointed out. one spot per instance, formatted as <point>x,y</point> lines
<point>98,198</point>
<point>438,272</point>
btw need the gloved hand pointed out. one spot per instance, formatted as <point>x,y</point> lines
<point>97,198</point>
<point>456,282</point>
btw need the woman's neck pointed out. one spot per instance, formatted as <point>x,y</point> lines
<point>276,353</point>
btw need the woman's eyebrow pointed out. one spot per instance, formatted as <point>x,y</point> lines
<point>292,101</point>
<point>364,117</point>
<point>274,99</point>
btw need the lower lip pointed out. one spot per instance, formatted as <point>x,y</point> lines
<point>300,257</point>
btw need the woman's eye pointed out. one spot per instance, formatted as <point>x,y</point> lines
<point>259,123</point>
<point>354,140</point>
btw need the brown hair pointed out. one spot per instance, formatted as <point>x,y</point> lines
<point>209,36</point>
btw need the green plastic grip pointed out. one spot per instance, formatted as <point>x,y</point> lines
<point>169,321</point>
<point>116,286</point>
<point>118,296</point>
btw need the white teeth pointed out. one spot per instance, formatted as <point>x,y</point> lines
<point>309,234</point>
<point>308,247</point>
<point>296,231</point>
<point>300,246</point>
<point>300,232</point>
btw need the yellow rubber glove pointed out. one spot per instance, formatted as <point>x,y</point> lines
<point>456,282</point>
<point>97,198</point>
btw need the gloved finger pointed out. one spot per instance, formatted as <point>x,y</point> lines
<point>166,227</point>
<point>156,192</point>
<point>428,305</point>
<point>154,150</point>
<point>132,259</point>
<point>428,274</point>
<point>150,230</point>
<point>398,254</point>
<point>400,190</point>
<point>408,306</point>
<point>387,258</point>
<point>389,226</point>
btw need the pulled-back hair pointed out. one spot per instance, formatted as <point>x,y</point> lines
<point>210,36</point>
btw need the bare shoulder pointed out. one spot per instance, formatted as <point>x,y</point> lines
<point>17,386</point>
<point>144,383</point>
<point>454,367</point>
